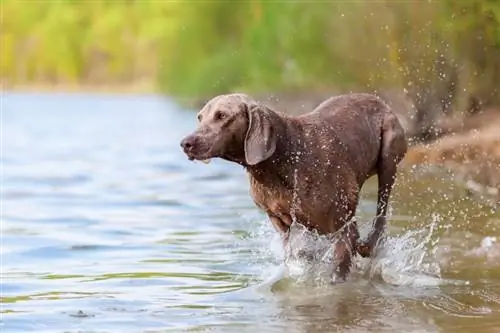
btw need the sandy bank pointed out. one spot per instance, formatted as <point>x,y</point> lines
<point>471,152</point>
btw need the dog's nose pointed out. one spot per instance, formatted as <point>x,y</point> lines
<point>188,143</point>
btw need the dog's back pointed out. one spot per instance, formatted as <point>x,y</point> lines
<point>356,122</point>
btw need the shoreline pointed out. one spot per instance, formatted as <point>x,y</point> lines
<point>137,88</point>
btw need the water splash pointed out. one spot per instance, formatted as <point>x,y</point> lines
<point>407,259</point>
<point>488,250</point>
<point>305,243</point>
<point>295,196</point>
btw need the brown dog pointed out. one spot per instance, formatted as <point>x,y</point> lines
<point>308,168</point>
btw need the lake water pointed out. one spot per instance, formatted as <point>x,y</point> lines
<point>107,227</point>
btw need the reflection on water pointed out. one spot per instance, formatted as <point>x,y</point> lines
<point>107,227</point>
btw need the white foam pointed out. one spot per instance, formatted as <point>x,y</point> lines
<point>408,259</point>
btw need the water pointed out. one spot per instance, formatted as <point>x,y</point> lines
<point>107,227</point>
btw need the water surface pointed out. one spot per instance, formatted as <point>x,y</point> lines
<point>106,227</point>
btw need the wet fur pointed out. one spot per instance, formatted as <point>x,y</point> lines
<point>309,168</point>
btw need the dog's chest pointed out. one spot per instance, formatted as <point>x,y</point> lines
<point>271,197</point>
<point>286,202</point>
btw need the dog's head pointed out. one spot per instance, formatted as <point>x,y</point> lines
<point>233,127</point>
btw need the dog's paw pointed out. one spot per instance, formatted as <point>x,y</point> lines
<point>364,248</point>
<point>336,280</point>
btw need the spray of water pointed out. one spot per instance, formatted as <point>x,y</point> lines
<point>406,259</point>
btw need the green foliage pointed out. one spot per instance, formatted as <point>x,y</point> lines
<point>429,48</point>
<point>434,49</point>
<point>477,41</point>
<point>82,41</point>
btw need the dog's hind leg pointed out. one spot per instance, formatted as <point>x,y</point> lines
<point>393,149</point>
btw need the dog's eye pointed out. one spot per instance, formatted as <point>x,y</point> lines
<point>199,117</point>
<point>219,115</point>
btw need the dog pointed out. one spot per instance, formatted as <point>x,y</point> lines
<point>309,168</point>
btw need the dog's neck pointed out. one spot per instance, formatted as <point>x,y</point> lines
<point>289,147</point>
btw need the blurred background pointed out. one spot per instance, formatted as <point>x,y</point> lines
<point>106,225</point>
<point>443,54</point>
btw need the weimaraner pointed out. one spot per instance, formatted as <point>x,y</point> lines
<point>310,168</point>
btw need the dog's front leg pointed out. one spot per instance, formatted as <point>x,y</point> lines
<point>345,248</point>
<point>282,227</point>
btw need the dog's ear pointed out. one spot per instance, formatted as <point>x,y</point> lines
<point>260,140</point>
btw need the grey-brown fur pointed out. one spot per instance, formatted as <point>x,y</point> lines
<point>308,168</point>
